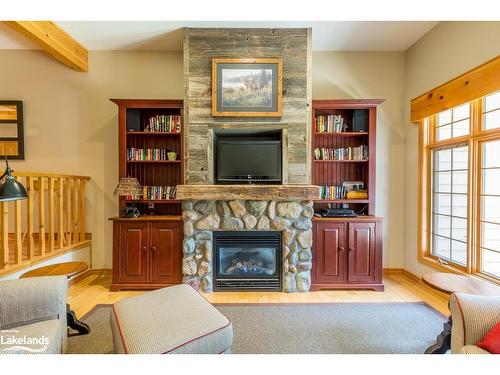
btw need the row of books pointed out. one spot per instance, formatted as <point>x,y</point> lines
<point>330,124</point>
<point>333,192</point>
<point>135,154</point>
<point>164,123</point>
<point>347,153</point>
<point>157,193</point>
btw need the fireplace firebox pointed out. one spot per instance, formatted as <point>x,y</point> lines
<point>247,260</point>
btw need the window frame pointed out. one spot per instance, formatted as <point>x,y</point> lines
<point>427,144</point>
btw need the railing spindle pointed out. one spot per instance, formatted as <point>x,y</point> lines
<point>31,196</point>
<point>75,210</point>
<point>68,211</point>
<point>41,215</point>
<point>18,258</point>
<point>82,210</point>
<point>60,218</point>
<point>4,256</point>
<point>51,198</point>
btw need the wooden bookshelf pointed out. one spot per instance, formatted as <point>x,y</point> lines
<point>137,113</point>
<point>333,172</point>
<point>347,250</point>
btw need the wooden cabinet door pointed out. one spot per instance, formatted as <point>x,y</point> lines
<point>362,248</point>
<point>165,252</point>
<point>132,256</point>
<point>329,253</point>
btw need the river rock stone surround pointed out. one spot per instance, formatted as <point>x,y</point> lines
<point>292,218</point>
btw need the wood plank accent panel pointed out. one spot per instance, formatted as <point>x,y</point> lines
<point>203,44</point>
<point>473,84</point>
<point>55,41</point>
<point>256,192</point>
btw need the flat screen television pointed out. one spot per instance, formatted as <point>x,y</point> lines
<point>248,160</point>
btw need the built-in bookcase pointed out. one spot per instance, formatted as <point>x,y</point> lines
<point>347,152</point>
<point>148,131</point>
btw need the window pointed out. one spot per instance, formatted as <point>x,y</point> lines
<point>490,208</point>
<point>460,188</point>
<point>449,208</point>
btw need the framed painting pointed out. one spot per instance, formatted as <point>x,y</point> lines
<point>11,130</point>
<point>247,87</point>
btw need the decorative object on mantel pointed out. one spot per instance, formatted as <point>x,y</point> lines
<point>128,187</point>
<point>10,189</point>
<point>247,87</point>
<point>11,129</point>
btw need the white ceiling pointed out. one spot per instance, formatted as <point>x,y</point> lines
<point>167,35</point>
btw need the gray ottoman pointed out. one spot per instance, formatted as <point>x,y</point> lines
<point>170,320</point>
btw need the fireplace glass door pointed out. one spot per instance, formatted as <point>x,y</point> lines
<point>252,261</point>
<point>247,260</point>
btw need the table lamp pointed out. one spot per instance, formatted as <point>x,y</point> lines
<point>128,187</point>
<point>10,188</point>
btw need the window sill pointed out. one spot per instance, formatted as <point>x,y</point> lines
<point>432,262</point>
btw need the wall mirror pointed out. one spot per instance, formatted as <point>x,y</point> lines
<point>11,129</point>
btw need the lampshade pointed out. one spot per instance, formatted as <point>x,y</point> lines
<point>128,186</point>
<point>10,189</point>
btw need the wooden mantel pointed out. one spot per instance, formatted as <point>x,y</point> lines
<point>254,192</point>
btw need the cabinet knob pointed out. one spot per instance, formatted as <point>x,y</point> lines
<point>144,248</point>
<point>351,248</point>
<point>341,248</point>
<point>153,248</point>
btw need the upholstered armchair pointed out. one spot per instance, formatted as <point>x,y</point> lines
<point>34,308</point>
<point>473,317</point>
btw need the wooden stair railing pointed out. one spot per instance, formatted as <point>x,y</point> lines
<point>49,223</point>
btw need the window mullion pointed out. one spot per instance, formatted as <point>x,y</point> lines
<point>474,248</point>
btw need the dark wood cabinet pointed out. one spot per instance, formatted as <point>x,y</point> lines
<point>362,243</point>
<point>165,257</point>
<point>330,255</point>
<point>347,253</point>
<point>147,252</point>
<point>133,252</point>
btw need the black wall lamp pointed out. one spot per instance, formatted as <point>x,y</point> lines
<point>10,188</point>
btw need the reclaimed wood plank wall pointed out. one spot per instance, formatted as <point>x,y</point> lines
<point>294,47</point>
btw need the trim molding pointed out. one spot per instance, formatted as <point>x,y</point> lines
<point>471,85</point>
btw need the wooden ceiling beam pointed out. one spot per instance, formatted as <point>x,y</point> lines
<point>55,41</point>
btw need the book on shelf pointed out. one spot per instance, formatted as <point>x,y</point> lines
<point>333,192</point>
<point>330,124</point>
<point>164,124</point>
<point>147,154</point>
<point>156,193</point>
<point>343,153</point>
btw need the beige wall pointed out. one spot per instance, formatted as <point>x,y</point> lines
<point>71,126</point>
<point>448,50</point>
<point>374,75</point>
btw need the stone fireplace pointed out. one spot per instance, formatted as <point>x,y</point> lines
<point>290,217</point>
<point>286,206</point>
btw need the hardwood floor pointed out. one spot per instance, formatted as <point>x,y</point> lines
<point>94,289</point>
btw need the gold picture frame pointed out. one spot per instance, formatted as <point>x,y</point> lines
<point>243,87</point>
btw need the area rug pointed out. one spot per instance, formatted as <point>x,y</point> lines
<point>336,328</point>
